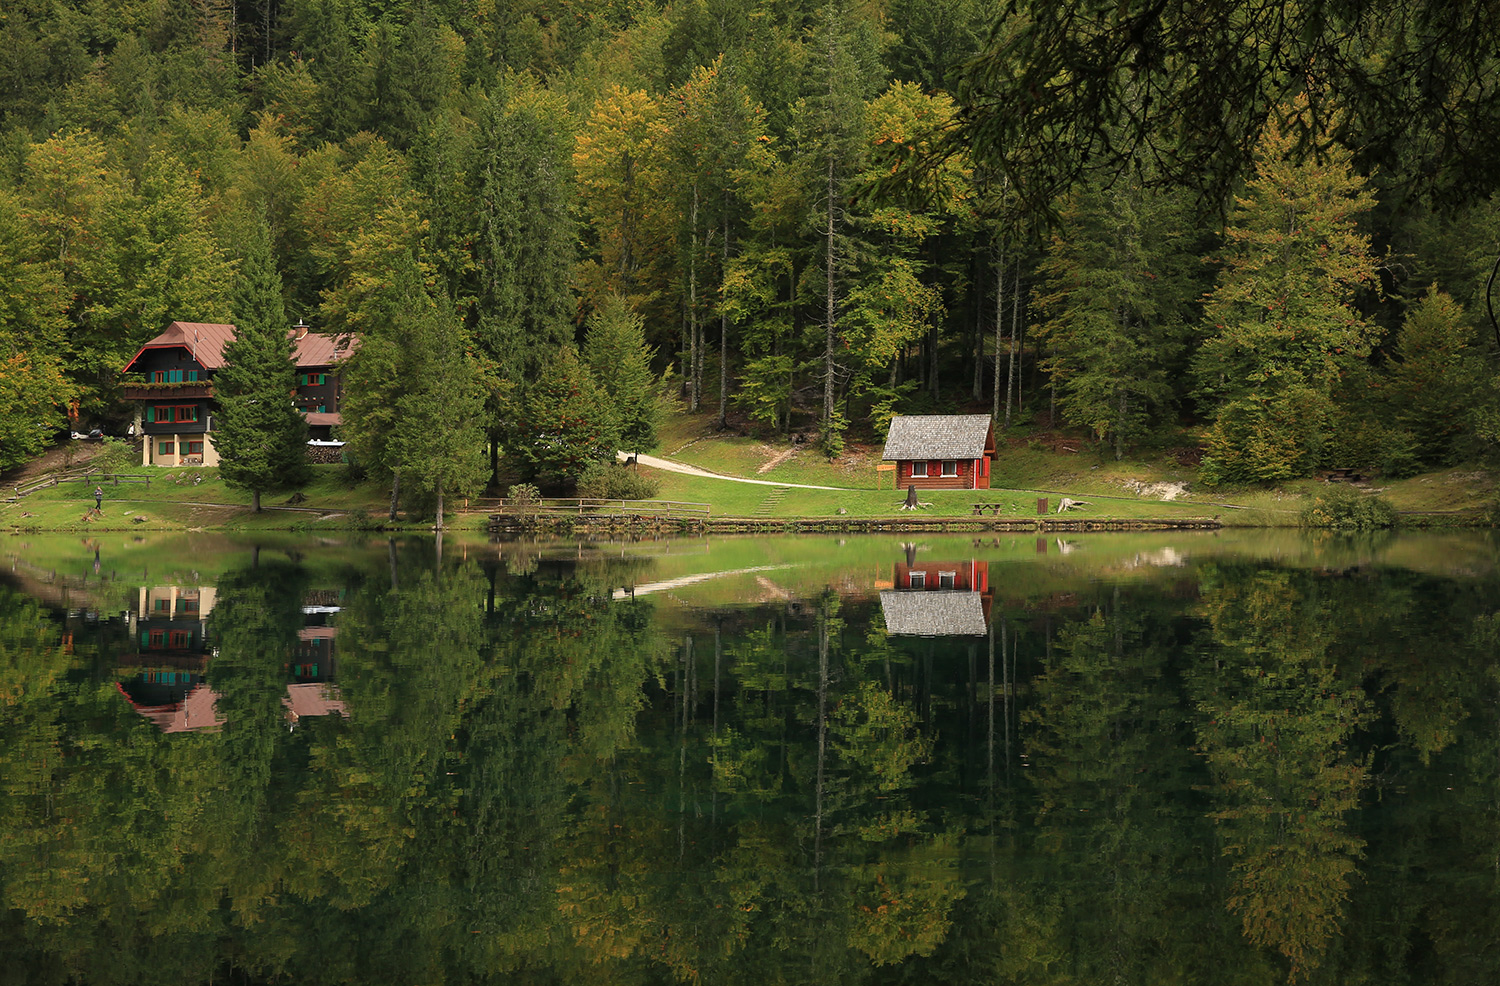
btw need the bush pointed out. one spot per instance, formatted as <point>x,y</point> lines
<point>612,481</point>
<point>117,454</point>
<point>1341,508</point>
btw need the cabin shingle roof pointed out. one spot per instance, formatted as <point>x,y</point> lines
<point>933,613</point>
<point>937,436</point>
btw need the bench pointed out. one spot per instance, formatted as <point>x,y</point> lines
<point>1343,476</point>
<point>994,509</point>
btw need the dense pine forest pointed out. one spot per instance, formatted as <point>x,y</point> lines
<point>1265,230</point>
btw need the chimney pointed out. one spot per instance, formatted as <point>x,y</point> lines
<point>299,330</point>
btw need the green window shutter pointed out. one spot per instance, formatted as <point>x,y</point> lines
<point>151,414</point>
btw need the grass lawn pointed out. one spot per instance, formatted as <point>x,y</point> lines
<point>197,499</point>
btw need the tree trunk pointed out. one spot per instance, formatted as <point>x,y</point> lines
<point>978,332</point>
<point>440,504</point>
<point>255,501</point>
<point>830,311</point>
<point>724,332</point>
<point>999,326</point>
<point>395,491</point>
<point>1010,370</point>
<point>1120,429</point>
<point>694,356</point>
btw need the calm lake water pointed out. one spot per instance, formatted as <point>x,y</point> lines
<point>1209,758</point>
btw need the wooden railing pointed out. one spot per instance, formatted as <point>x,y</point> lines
<point>89,475</point>
<point>586,505</point>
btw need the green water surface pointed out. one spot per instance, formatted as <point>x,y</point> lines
<point>1192,758</point>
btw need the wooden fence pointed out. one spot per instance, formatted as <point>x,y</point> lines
<point>87,476</point>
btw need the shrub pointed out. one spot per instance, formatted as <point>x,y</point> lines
<point>1341,508</point>
<point>612,481</point>
<point>117,454</point>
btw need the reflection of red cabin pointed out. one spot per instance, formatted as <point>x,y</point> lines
<point>941,451</point>
<point>966,575</point>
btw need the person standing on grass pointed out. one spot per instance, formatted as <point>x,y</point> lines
<point>98,498</point>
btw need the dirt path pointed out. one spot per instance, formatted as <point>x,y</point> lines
<point>686,470</point>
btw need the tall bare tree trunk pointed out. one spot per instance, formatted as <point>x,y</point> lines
<point>831,311</point>
<point>695,380</point>
<point>724,332</point>
<point>1010,370</point>
<point>978,332</point>
<point>395,491</point>
<point>440,505</point>
<point>999,326</point>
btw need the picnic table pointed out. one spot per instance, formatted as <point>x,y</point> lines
<point>994,509</point>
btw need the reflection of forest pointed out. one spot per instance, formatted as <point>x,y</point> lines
<point>1238,772</point>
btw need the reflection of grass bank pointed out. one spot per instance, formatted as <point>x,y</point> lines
<point>1029,572</point>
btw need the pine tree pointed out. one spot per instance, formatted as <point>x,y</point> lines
<point>1434,386</point>
<point>564,422</point>
<point>1117,273</point>
<point>616,353</point>
<point>438,439</point>
<point>260,437</point>
<point>1281,323</point>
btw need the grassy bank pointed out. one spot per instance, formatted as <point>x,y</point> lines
<point>1024,471</point>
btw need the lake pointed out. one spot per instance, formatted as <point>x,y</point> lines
<point>1218,757</point>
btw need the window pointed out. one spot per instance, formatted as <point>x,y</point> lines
<point>180,639</point>
<point>918,470</point>
<point>157,637</point>
<point>160,376</point>
<point>185,412</point>
<point>918,580</point>
<point>194,448</point>
<point>950,468</point>
<point>946,579</point>
<point>166,448</point>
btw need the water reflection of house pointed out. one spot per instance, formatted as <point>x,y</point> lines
<point>165,672</point>
<point>938,599</point>
<point>312,691</point>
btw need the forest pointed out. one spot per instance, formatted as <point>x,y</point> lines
<point>1263,230</point>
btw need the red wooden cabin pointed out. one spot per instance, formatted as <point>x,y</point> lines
<point>941,451</point>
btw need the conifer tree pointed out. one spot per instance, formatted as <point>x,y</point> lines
<point>617,354</point>
<point>564,422</point>
<point>1281,323</point>
<point>1118,291</point>
<point>260,436</point>
<point>1434,386</point>
<point>438,439</point>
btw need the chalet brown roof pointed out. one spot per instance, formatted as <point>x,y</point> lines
<point>937,436</point>
<point>314,699</point>
<point>933,613</point>
<point>198,710</point>
<point>323,417</point>
<point>206,341</point>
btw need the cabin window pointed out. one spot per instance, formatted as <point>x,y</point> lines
<point>918,470</point>
<point>918,580</point>
<point>194,448</point>
<point>160,376</point>
<point>157,637</point>
<point>946,579</point>
<point>180,639</point>
<point>166,448</point>
<point>160,605</point>
<point>950,468</point>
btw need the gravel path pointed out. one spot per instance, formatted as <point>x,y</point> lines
<point>670,466</point>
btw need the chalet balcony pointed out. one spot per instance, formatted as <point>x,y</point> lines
<point>135,387</point>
